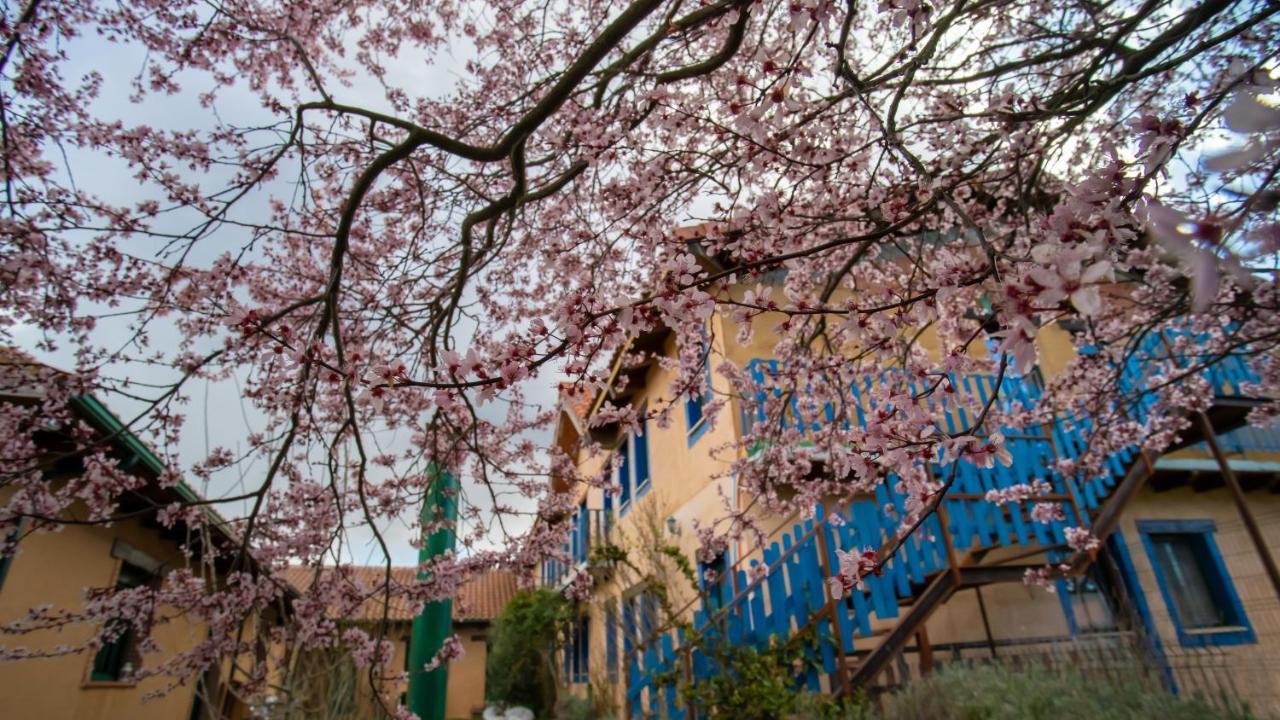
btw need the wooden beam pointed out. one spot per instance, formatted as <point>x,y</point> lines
<point>1242,505</point>
<point>986,622</point>
<point>926,650</point>
<point>891,644</point>
<point>1142,468</point>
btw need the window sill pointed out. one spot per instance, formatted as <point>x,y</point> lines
<point>697,431</point>
<point>108,684</point>
<point>1222,635</point>
<point>1217,630</point>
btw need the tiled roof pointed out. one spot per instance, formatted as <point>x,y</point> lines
<point>578,399</point>
<point>484,597</point>
<point>479,600</point>
<point>21,378</point>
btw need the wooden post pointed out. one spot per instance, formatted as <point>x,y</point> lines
<point>688,676</point>
<point>831,608</point>
<point>926,650</point>
<point>1237,493</point>
<point>986,622</point>
<point>944,521</point>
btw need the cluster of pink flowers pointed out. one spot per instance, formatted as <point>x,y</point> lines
<point>711,545</point>
<point>451,649</point>
<point>854,568</point>
<point>1081,539</point>
<point>1041,577</point>
<point>580,586</point>
<point>1019,492</point>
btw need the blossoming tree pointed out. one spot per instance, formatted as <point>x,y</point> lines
<point>420,261</point>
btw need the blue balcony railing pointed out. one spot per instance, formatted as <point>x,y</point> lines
<point>588,530</point>
<point>1249,442</point>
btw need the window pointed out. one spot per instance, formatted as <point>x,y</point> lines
<point>1086,603</point>
<point>611,641</point>
<point>577,652</point>
<point>8,548</point>
<point>639,620</point>
<point>581,533</point>
<point>633,472</point>
<point>695,403</point>
<point>1194,582</point>
<point>116,660</point>
<point>712,576</point>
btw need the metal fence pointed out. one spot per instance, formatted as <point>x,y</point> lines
<point>1118,658</point>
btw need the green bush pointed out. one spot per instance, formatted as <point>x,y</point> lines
<point>753,684</point>
<point>998,693</point>
<point>575,707</point>
<point>520,667</point>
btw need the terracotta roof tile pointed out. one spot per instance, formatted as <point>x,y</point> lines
<point>484,597</point>
<point>578,399</point>
<point>479,600</point>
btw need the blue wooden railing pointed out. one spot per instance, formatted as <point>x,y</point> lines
<point>789,597</point>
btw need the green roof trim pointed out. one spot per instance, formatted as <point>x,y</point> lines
<point>106,421</point>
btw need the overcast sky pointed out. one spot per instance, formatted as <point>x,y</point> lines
<point>217,416</point>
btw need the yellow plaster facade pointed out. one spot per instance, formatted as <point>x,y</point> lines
<point>55,568</point>
<point>691,481</point>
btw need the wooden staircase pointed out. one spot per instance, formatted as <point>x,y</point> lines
<point>944,584</point>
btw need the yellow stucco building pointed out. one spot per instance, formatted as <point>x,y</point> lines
<point>1180,582</point>
<point>57,568</point>
<point>477,605</point>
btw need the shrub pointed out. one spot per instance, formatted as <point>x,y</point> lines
<point>574,708</point>
<point>520,668</point>
<point>753,684</point>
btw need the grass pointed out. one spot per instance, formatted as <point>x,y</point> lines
<point>996,692</point>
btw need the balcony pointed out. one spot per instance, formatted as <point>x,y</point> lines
<point>590,529</point>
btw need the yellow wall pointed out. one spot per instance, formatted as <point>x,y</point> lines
<point>1254,668</point>
<point>55,569</point>
<point>466,675</point>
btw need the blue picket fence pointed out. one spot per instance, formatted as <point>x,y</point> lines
<point>790,596</point>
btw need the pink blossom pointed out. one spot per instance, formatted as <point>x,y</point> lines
<point>854,568</point>
<point>451,649</point>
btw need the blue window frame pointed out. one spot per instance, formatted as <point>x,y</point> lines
<point>628,630</point>
<point>694,406</point>
<point>640,445</point>
<point>581,533</point>
<point>116,659</point>
<point>624,474</point>
<point>639,620</point>
<point>633,473</point>
<point>1195,584</point>
<point>611,641</point>
<point>577,652</point>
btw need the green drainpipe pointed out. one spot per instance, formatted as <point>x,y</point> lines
<point>427,690</point>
